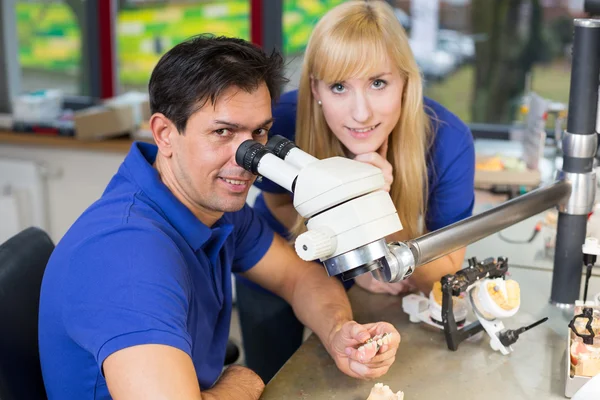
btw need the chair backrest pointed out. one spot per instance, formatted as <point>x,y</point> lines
<point>23,259</point>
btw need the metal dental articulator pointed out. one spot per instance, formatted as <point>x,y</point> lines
<point>348,216</point>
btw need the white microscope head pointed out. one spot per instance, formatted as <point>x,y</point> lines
<point>348,214</point>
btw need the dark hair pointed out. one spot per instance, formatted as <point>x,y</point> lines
<point>202,68</point>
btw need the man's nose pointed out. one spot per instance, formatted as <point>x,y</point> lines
<point>361,109</point>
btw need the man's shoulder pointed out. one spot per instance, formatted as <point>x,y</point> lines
<point>117,227</point>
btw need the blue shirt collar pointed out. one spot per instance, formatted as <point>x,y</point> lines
<point>138,165</point>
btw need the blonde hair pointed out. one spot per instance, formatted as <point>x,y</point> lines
<point>353,40</point>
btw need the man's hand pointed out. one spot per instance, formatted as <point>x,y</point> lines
<point>379,160</point>
<point>354,357</point>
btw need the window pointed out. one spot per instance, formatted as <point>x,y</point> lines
<point>299,19</point>
<point>49,46</point>
<point>148,29</point>
<point>484,74</point>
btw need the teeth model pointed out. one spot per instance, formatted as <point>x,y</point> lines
<point>375,343</point>
<point>497,298</point>
<point>383,392</point>
<point>506,294</point>
<point>459,306</point>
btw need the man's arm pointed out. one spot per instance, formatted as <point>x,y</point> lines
<point>320,302</point>
<point>153,371</point>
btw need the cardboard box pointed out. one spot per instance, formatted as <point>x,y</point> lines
<point>119,115</point>
<point>101,122</point>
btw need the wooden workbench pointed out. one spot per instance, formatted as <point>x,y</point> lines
<point>120,145</point>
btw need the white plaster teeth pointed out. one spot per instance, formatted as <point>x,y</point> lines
<point>375,343</point>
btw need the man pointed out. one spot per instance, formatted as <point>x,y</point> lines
<point>136,299</point>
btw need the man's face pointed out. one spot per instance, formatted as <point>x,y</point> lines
<point>203,159</point>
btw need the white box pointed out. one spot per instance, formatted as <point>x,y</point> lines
<point>40,106</point>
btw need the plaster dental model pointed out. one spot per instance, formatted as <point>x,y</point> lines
<point>383,392</point>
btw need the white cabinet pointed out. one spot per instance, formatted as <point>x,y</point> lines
<point>72,180</point>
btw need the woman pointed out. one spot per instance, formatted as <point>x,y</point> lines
<point>360,96</point>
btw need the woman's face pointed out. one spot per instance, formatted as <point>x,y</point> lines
<point>361,112</point>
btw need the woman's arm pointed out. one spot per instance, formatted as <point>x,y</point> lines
<point>422,279</point>
<point>282,208</point>
<point>426,275</point>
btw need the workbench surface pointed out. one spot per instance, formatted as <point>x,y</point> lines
<point>426,369</point>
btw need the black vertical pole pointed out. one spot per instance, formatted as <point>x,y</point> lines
<point>579,148</point>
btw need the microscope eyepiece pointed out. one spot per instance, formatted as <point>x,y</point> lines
<point>248,155</point>
<point>257,159</point>
<point>280,146</point>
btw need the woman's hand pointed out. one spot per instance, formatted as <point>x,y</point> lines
<point>379,160</point>
<point>370,284</point>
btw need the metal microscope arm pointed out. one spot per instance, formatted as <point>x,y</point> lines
<point>416,252</point>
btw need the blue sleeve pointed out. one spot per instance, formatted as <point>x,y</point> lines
<point>452,195</point>
<point>253,239</point>
<point>119,295</point>
<point>284,125</point>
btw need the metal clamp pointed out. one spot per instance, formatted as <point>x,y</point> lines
<point>399,264</point>
<point>359,257</point>
<point>583,192</point>
<point>587,313</point>
<point>579,146</point>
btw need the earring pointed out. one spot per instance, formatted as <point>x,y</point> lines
<point>319,102</point>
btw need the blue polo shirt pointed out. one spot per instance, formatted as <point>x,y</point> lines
<point>450,167</point>
<point>139,268</point>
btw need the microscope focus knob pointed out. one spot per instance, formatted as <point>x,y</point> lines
<point>315,244</point>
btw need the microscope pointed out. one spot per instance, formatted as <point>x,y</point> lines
<point>349,216</point>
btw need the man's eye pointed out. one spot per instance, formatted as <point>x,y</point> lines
<point>261,132</point>
<point>337,88</point>
<point>223,132</point>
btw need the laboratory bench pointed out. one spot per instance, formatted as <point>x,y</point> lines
<point>426,369</point>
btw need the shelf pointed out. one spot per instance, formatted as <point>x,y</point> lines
<point>119,145</point>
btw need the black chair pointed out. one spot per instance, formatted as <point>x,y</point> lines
<point>23,259</point>
<point>231,354</point>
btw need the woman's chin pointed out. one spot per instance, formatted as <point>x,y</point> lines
<point>362,148</point>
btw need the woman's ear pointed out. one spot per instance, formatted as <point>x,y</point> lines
<point>162,131</point>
